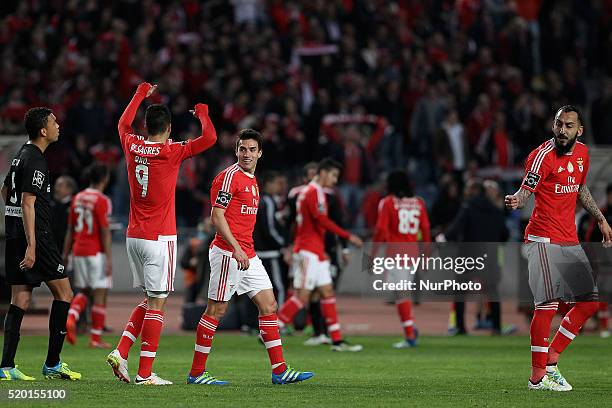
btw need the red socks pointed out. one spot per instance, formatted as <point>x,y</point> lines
<point>204,337</point>
<point>289,309</point>
<point>151,331</point>
<point>404,309</point>
<point>268,328</point>
<point>132,329</point>
<point>539,331</point>
<point>78,304</point>
<point>98,315</point>
<point>572,323</point>
<point>328,309</point>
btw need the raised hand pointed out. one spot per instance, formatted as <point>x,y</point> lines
<point>199,109</point>
<point>146,88</point>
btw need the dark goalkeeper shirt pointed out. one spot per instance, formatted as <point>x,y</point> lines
<point>28,174</point>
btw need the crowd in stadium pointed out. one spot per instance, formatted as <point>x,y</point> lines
<point>437,87</point>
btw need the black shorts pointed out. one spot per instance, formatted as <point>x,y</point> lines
<point>48,265</point>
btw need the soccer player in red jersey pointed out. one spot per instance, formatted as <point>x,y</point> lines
<point>152,164</point>
<point>556,173</point>
<point>402,218</point>
<point>89,239</point>
<point>311,266</point>
<point>235,267</point>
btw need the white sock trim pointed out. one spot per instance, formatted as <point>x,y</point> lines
<point>333,327</point>
<point>147,353</point>
<point>272,343</point>
<point>202,349</point>
<point>95,331</point>
<point>567,333</point>
<point>408,323</point>
<point>539,349</point>
<point>129,336</point>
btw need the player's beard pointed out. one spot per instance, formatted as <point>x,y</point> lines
<point>561,150</point>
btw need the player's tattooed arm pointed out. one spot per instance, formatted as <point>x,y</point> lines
<point>589,204</point>
<point>518,199</point>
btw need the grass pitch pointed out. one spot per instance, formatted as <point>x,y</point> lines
<point>442,371</point>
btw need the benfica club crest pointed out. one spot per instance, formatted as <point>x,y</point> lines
<point>580,162</point>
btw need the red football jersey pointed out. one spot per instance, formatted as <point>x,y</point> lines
<point>89,213</point>
<point>152,172</point>
<point>237,192</point>
<point>401,220</point>
<point>312,221</point>
<point>555,180</point>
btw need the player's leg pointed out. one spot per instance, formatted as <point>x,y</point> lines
<point>151,332</point>
<point>224,275</point>
<point>330,313</point>
<point>320,274</point>
<point>132,329</point>
<point>81,266</point>
<point>62,296</point>
<point>403,305</point>
<point>269,330</point>
<point>205,333</point>
<point>159,267</point>
<point>77,306</point>
<point>303,285</point>
<point>256,284</point>
<point>539,332</point>
<point>546,305</point>
<point>21,296</point>
<point>577,275</point>
<point>98,318</point>
<point>100,283</point>
<point>404,311</point>
<point>117,359</point>
<point>570,327</point>
<point>319,335</point>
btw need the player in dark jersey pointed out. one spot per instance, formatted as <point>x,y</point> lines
<point>31,252</point>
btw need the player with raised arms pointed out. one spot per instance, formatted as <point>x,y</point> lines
<point>152,164</point>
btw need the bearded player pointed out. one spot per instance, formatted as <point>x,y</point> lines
<point>152,165</point>
<point>556,174</point>
<point>235,267</point>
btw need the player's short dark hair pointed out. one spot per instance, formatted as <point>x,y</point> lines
<point>157,119</point>
<point>328,164</point>
<point>249,134</point>
<point>307,167</point>
<point>34,120</point>
<point>399,184</point>
<point>95,173</point>
<point>609,188</point>
<point>269,176</point>
<point>572,108</point>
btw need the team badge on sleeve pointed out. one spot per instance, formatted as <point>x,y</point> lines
<point>38,179</point>
<point>223,199</point>
<point>531,180</point>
